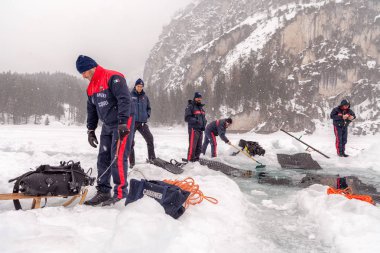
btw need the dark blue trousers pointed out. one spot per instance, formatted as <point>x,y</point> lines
<point>195,144</point>
<point>340,139</point>
<point>143,128</point>
<point>210,139</point>
<point>109,145</point>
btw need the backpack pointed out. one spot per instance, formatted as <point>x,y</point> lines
<point>251,147</point>
<point>67,179</point>
<point>171,197</point>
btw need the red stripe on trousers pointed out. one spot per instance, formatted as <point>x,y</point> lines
<point>215,143</point>
<point>120,161</point>
<point>336,140</point>
<point>191,145</point>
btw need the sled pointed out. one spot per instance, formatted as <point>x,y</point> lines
<point>224,168</point>
<point>166,165</point>
<point>37,199</point>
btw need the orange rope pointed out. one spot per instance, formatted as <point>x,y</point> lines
<point>196,196</point>
<point>348,194</point>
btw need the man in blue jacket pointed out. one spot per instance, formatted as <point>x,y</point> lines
<point>342,117</point>
<point>109,100</point>
<point>196,120</point>
<point>142,114</point>
<point>216,128</point>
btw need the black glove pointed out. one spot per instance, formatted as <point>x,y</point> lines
<point>123,131</point>
<point>92,138</point>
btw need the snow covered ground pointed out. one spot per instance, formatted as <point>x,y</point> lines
<point>250,217</point>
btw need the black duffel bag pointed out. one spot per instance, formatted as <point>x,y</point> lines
<point>251,147</point>
<point>67,179</point>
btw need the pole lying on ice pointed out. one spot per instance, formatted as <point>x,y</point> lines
<point>299,139</point>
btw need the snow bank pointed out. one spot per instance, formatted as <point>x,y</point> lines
<point>347,225</point>
<point>140,227</point>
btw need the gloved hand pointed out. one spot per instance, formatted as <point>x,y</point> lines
<point>92,138</point>
<point>123,131</point>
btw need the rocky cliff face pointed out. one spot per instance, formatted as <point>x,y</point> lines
<point>270,64</point>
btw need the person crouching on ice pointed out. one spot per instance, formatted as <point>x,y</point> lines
<point>110,101</point>
<point>342,117</point>
<point>196,120</point>
<point>216,128</point>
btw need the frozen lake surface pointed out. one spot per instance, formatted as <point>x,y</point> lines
<point>250,217</point>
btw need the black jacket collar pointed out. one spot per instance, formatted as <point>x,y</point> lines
<point>138,94</point>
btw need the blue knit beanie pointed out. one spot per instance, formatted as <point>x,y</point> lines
<point>85,63</point>
<point>139,81</point>
<point>197,95</point>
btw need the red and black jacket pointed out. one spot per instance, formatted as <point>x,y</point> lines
<point>195,116</point>
<point>337,116</point>
<point>108,99</point>
<point>218,128</point>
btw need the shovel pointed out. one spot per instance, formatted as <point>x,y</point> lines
<point>260,166</point>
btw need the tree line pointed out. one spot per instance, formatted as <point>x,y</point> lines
<point>27,97</point>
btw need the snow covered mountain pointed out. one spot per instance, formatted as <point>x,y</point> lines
<point>270,64</point>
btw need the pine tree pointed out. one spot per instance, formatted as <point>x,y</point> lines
<point>47,121</point>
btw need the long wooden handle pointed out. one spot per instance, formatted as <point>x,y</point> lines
<point>246,154</point>
<point>298,139</point>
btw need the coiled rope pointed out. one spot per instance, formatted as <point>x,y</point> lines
<point>196,195</point>
<point>348,194</point>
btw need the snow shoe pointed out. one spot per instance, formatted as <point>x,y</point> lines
<point>99,198</point>
<point>111,201</point>
<point>166,165</point>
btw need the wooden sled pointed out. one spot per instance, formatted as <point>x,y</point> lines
<point>37,199</point>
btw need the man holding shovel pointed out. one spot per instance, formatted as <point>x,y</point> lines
<point>110,101</point>
<point>216,128</point>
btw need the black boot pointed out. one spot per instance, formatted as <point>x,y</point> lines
<point>345,155</point>
<point>111,201</point>
<point>98,198</point>
<point>151,160</point>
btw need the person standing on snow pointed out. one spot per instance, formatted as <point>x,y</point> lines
<point>110,101</point>
<point>196,120</point>
<point>215,128</point>
<point>142,114</point>
<point>342,117</point>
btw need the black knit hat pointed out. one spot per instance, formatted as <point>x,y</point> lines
<point>139,82</point>
<point>229,120</point>
<point>197,95</point>
<point>85,63</point>
<point>344,102</point>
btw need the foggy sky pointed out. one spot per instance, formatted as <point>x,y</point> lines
<point>48,35</point>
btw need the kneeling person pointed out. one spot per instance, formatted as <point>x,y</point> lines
<point>216,128</point>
